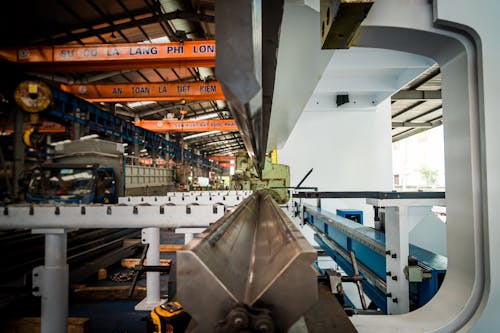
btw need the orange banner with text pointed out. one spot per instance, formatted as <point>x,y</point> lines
<point>129,92</point>
<point>114,56</point>
<point>228,125</point>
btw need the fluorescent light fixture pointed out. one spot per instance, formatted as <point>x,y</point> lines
<point>142,103</point>
<point>214,143</point>
<point>88,137</point>
<point>205,116</point>
<point>143,150</point>
<point>58,143</point>
<point>205,72</point>
<point>221,104</point>
<point>163,39</point>
<point>199,134</point>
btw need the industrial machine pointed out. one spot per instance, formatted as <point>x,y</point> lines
<point>92,170</point>
<point>255,236</point>
<point>275,177</point>
<point>339,236</point>
<point>251,271</point>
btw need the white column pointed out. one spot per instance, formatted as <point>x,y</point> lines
<point>151,236</point>
<point>189,233</point>
<point>397,251</point>
<point>51,282</point>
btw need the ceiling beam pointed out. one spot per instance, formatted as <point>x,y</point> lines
<point>217,144</point>
<point>417,95</point>
<point>413,131</point>
<point>131,24</point>
<point>125,112</point>
<point>101,76</point>
<point>411,124</point>
<point>219,136</point>
<point>225,149</point>
<point>142,114</point>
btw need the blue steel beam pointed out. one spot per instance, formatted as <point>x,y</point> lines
<point>338,236</point>
<point>376,294</point>
<point>70,107</point>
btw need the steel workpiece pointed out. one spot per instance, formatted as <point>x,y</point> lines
<point>255,256</point>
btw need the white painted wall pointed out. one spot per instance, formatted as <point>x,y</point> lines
<point>349,151</point>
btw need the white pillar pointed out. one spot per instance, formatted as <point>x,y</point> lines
<point>151,236</point>
<point>188,237</point>
<point>189,233</point>
<point>51,282</point>
<point>397,251</point>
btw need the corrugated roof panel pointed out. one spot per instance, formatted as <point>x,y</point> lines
<point>417,111</point>
<point>153,30</point>
<point>150,75</point>
<point>401,105</point>
<point>133,34</point>
<point>432,84</point>
<point>430,116</point>
<point>134,77</point>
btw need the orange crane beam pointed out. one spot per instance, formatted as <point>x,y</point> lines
<point>103,57</point>
<point>228,125</point>
<point>221,158</point>
<point>7,127</point>
<point>129,92</point>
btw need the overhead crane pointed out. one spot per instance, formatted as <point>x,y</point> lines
<point>123,56</point>
<point>153,91</point>
<point>102,57</point>
<point>226,125</point>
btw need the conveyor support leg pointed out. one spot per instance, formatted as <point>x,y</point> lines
<point>51,282</point>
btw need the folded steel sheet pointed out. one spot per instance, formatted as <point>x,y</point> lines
<point>253,255</point>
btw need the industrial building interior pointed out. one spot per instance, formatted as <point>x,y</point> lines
<point>227,166</point>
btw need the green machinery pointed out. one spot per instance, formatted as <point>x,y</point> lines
<point>275,177</point>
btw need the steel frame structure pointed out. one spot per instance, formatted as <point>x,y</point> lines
<point>66,106</point>
<point>50,281</point>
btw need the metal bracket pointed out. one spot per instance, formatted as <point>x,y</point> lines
<point>335,279</point>
<point>37,277</point>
